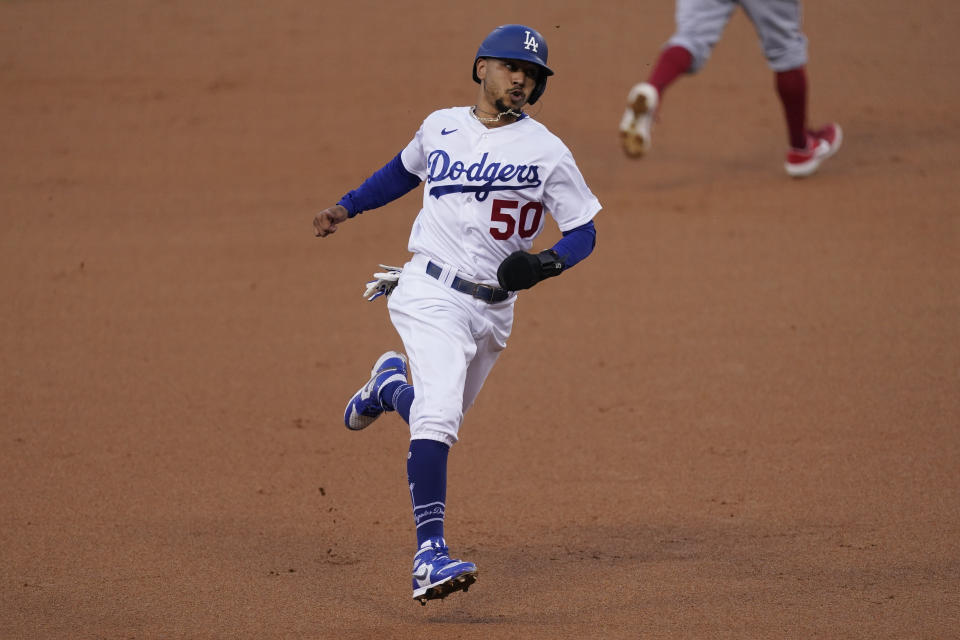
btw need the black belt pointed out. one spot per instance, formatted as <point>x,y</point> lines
<point>480,291</point>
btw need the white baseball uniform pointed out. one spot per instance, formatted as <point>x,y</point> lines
<point>486,194</point>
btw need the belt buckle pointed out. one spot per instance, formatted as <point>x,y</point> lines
<point>484,292</point>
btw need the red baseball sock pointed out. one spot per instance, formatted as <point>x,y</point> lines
<point>673,62</point>
<point>792,89</point>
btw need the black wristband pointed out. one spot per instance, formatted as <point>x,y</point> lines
<point>550,263</point>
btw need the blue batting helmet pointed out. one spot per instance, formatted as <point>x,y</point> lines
<point>517,42</point>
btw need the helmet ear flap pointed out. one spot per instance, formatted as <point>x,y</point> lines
<point>538,89</point>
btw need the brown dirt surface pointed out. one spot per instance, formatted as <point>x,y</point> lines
<point>740,418</point>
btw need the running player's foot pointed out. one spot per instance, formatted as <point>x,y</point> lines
<point>821,144</point>
<point>435,575</point>
<point>365,406</point>
<point>638,119</point>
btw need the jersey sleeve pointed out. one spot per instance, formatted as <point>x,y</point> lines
<point>567,196</point>
<point>413,157</point>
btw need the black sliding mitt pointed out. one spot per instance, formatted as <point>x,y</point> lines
<point>522,270</point>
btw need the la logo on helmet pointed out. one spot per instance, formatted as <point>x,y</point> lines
<point>529,42</point>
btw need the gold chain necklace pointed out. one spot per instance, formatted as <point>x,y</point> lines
<point>508,112</point>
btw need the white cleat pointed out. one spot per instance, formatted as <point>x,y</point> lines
<point>637,120</point>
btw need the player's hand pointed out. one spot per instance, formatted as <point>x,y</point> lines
<point>522,270</point>
<point>325,222</point>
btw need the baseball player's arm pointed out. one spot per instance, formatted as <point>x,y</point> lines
<point>386,185</point>
<point>522,270</point>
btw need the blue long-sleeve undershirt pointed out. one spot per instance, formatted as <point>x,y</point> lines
<point>393,180</point>
<point>576,244</point>
<point>389,183</point>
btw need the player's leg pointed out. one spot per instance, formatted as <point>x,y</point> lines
<point>490,326</point>
<point>700,24</point>
<point>778,25</point>
<point>435,328</point>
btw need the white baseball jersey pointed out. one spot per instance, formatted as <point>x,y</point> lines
<point>487,191</point>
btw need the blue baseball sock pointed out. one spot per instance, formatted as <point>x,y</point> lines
<point>397,396</point>
<point>427,475</point>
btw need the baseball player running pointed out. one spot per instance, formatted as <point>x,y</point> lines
<point>699,26</point>
<point>491,174</point>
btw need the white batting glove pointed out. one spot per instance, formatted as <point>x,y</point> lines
<point>384,284</point>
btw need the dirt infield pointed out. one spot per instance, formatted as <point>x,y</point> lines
<point>740,418</point>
